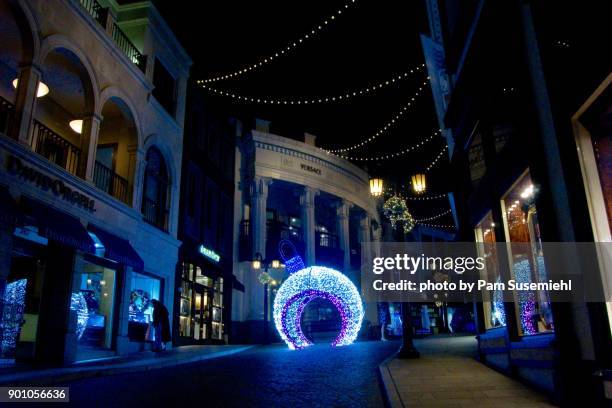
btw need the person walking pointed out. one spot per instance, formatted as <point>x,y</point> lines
<point>161,324</point>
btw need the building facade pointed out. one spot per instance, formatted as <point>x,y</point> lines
<point>204,275</point>
<point>92,101</point>
<point>525,105</point>
<point>288,190</point>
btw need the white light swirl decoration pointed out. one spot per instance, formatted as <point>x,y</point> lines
<point>79,304</point>
<point>311,283</point>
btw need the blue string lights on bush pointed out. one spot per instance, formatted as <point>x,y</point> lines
<point>527,304</point>
<point>311,283</point>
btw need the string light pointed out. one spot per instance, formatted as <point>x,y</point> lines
<point>434,216</point>
<point>285,50</point>
<point>433,163</point>
<point>387,156</point>
<point>426,198</point>
<point>316,99</point>
<point>385,127</point>
<point>436,225</point>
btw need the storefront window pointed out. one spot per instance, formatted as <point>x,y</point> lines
<point>527,261</point>
<point>143,289</point>
<point>493,302</point>
<point>95,306</point>
<point>21,299</point>
<point>201,304</point>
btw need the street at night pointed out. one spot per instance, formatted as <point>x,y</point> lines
<point>264,376</point>
<point>306,203</point>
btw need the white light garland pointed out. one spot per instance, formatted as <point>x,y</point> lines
<point>316,99</point>
<point>285,50</point>
<point>386,126</point>
<point>433,163</point>
<point>434,216</point>
<point>388,156</point>
<point>436,225</point>
<point>426,198</point>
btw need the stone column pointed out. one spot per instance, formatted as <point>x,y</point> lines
<point>25,103</point>
<point>259,199</point>
<point>307,201</point>
<point>123,341</point>
<point>342,219</point>
<point>89,144</point>
<point>364,229</point>
<point>139,173</point>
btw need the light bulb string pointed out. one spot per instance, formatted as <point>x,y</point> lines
<point>433,217</point>
<point>387,156</point>
<point>347,95</point>
<point>285,50</point>
<point>436,159</point>
<point>437,225</point>
<point>403,111</point>
<point>425,198</point>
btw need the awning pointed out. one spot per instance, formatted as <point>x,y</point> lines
<point>9,212</point>
<point>57,225</point>
<point>236,284</point>
<point>118,249</point>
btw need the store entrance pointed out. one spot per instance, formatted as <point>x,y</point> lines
<point>201,312</point>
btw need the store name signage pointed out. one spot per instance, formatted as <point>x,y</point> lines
<point>46,183</point>
<point>311,169</point>
<point>209,253</point>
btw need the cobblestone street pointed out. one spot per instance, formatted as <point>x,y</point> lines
<point>263,376</point>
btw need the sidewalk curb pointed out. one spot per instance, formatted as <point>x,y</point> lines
<point>391,396</point>
<point>64,374</point>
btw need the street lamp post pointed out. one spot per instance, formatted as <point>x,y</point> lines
<point>265,279</point>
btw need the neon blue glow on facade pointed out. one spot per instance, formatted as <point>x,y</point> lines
<point>311,283</point>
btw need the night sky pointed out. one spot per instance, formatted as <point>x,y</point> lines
<point>371,41</point>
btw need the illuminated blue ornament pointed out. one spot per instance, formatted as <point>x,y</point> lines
<point>11,319</point>
<point>310,283</point>
<point>289,254</point>
<point>79,304</point>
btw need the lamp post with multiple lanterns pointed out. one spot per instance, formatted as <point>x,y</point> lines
<point>265,278</point>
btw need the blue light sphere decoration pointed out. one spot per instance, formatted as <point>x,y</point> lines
<point>310,283</point>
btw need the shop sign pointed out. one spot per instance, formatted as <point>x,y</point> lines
<point>46,183</point>
<point>311,169</point>
<point>209,253</point>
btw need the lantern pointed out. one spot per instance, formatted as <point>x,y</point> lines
<point>376,187</point>
<point>418,183</point>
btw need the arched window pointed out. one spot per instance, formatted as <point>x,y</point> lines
<point>156,198</point>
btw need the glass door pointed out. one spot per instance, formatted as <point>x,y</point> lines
<point>201,312</point>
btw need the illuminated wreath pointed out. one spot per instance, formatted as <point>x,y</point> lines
<point>396,210</point>
<point>311,283</point>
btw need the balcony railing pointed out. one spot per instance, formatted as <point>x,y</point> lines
<point>94,8</point>
<point>55,148</point>
<point>155,214</point>
<point>124,43</point>
<point>7,111</point>
<point>110,182</point>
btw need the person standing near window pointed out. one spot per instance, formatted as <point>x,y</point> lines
<point>161,324</point>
